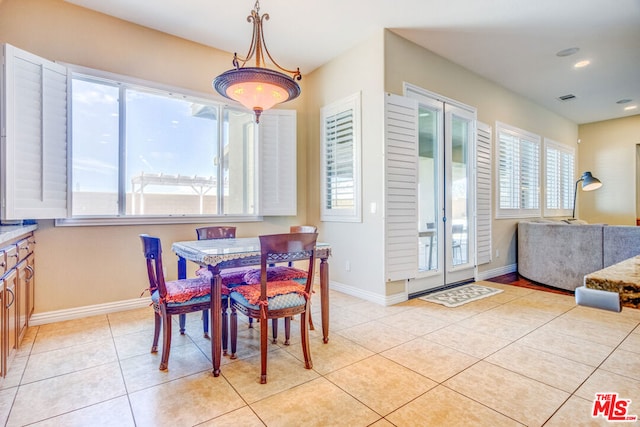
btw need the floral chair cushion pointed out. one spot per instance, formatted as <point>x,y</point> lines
<point>280,294</point>
<point>229,278</point>
<point>188,291</point>
<point>179,291</point>
<point>274,274</point>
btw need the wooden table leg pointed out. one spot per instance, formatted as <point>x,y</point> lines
<point>324,298</point>
<point>216,319</point>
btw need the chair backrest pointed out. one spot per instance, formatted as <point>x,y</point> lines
<point>303,229</point>
<point>152,249</point>
<point>216,232</point>
<point>281,248</point>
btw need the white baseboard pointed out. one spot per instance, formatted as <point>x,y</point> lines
<point>368,296</point>
<point>488,274</point>
<point>86,311</point>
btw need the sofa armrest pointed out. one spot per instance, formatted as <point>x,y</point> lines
<point>559,254</point>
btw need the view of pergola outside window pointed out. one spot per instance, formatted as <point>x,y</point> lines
<point>158,153</point>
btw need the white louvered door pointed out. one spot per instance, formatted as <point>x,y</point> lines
<point>483,193</point>
<point>444,228</point>
<point>401,188</point>
<point>34,137</point>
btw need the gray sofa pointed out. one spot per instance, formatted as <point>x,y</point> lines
<point>560,254</point>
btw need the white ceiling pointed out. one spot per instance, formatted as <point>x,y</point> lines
<point>511,42</point>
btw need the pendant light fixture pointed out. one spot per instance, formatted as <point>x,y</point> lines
<point>257,88</point>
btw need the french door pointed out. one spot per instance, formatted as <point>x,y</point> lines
<point>446,246</point>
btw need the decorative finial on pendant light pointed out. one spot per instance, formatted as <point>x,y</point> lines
<point>257,88</point>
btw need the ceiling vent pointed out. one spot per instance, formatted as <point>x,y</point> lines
<point>565,98</point>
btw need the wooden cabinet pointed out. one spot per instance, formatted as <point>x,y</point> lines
<point>8,332</point>
<point>17,286</point>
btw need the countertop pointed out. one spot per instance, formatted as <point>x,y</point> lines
<point>623,277</point>
<point>10,232</point>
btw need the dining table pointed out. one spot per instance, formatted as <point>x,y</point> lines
<point>221,254</point>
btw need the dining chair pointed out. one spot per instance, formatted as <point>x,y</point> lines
<point>287,273</point>
<point>169,298</point>
<point>303,229</point>
<point>276,299</point>
<point>216,232</point>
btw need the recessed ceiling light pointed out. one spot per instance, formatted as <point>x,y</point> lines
<point>623,101</point>
<point>568,52</point>
<point>581,64</point>
<point>630,107</point>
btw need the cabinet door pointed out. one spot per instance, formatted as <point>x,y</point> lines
<point>9,329</point>
<point>31,285</point>
<point>22,298</point>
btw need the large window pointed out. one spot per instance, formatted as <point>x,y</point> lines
<point>137,151</point>
<point>518,172</point>
<point>140,151</point>
<point>340,140</point>
<point>559,181</point>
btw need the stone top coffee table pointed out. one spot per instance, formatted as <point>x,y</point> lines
<point>623,278</point>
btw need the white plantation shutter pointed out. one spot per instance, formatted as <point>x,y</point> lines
<point>559,182</point>
<point>518,172</point>
<point>340,168</point>
<point>340,177</point>
<point>401,187</point>
<point>483,193</point>
<point>34,131</point>
<point>552,183</point>
<point>277,145</point>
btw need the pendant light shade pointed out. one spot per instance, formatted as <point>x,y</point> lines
<point>257,88</point>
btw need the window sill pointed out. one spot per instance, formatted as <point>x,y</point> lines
<point>148,220</point>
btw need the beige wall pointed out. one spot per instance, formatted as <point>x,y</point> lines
<point>79,266</point>
<point>408,62</point>
<point>384,62</point>
<point>357,70</point>
<point>609,149</point>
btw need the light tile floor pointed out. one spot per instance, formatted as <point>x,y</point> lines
<point>522,357</point>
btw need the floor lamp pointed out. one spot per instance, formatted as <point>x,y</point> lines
<point>589,183</point>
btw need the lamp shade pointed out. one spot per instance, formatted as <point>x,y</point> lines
<point>589,182</point>
<point>256,88</point>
